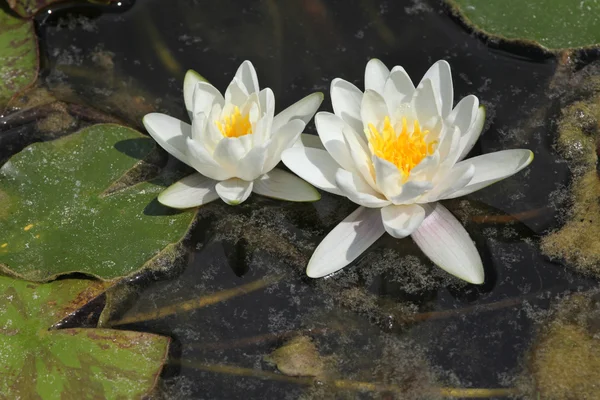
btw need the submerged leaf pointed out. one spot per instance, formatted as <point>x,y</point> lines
<point>18,56</point>
<point>76,363</point>
<point>69,206</point>
<point>555,24</point>
<point>298,357</point>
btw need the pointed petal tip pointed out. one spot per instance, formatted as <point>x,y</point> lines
<point>477,279</point>
<point>192,75</point>
<point>474,275</point>
<point>442,62</point>
<point>531,157</point>
<point>314,272</point>
<point>164,200</point>
<point>281,185</point>
<point>149,116</point>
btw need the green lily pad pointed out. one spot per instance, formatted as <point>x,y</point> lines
<point>554,24</point>
<point>28,8</point>
<point>58,217</point>
<point>18,56</point>
<point>78,363</point>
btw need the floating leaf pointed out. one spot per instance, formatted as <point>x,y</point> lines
<point>28,8</point>
<point>75,363</point>
<point>555,24</point>
<point>18,56</point>
<point>58,217</point>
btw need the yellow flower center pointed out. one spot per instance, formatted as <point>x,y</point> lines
<point>404,149</point>
<point>235,124</point>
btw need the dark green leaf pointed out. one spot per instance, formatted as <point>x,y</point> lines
<point>58,217</point>
<point>555,24</point>
<point>18,56</point>
<point>43,363</point>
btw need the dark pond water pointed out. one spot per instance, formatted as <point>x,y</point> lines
<point>130,59</point>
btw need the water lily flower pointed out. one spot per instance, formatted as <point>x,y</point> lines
<point>396,151</point>
<point>234,142</point>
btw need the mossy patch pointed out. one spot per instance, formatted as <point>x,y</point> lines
<point>565,362</point>
<point>576,242</point>
<point>56,122</point>
<point>298,357</point>
<point>577,132</point>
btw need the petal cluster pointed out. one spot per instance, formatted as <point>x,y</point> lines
<point>234,142</point>
<point>398,149</point>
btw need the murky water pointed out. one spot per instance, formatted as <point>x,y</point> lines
<point>391,317</point>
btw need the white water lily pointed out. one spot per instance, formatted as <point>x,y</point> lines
<point>234,142</point>
<point>396,150</point>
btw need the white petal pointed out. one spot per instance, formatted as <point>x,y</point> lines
<point>464,113</point>
<point>376,74</point>
<point>449,147</point>
<point>189,84</point>
<point>493,167</point>
<point>456,179</point>
<point>230,151</point>
<point>251,108</point>
<point>411,190</point>
<point>330,128</point>
<point>267,101</point>
<point>469,138</point>
<point>204,97</point>
<point>355,234</point>
<point>264,127</point>
<point>246,75</point>
<point>282,185</point>
<point>314,166</point>
<point>357,190</point>
<point>262,130</point>
<point>388,177</point>
<point>192,191</point>
<point>204,163</point>
<point>205,131</point>
<point>170,133</point>
<point>444,240</point>
<point>308,140</point>
<point>361,156</point>
<point>283,139</point>
<point>234,191</point>
<point>426,169</point>
<point>346,100</point>
<point>425,103</point>
<point>401,221</point>
<point>235,95</point>
<point>398,89</point>
<point>373,110</point>
<point>199,126</point>
<point>441,80</point>
<point>252,165</point>
<point>303,109</point>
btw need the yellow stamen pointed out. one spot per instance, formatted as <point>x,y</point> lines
<point>28,227</point>
<point>404,149</point>
<point>235,125</point>
<point>4,245</point>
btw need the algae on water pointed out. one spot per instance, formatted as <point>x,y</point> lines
<point>565,361</point>
<point>576,242</point>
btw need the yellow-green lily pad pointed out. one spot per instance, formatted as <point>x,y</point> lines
<point>57,216</point>
<point>554,24</point>
<point>39,362</point>
<point>18,56</point>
